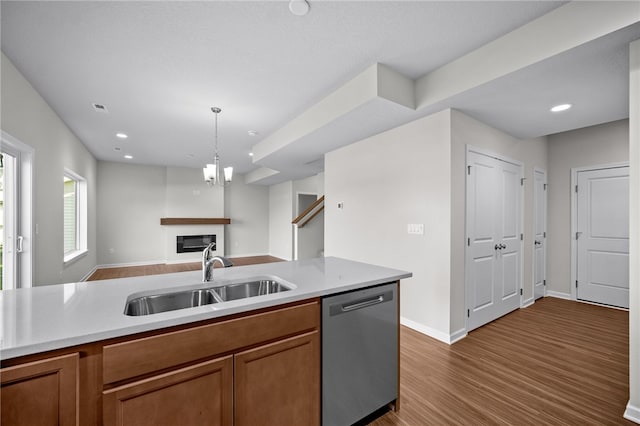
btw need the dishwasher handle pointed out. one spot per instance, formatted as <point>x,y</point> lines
<point>354,305</point>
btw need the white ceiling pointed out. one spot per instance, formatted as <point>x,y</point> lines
<point>159,66</point>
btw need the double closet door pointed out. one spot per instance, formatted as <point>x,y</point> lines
<point>494,232</point>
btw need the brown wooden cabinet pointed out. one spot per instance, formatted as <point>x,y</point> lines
<point>279,383</point>
<point>198,395</point>
<point>43,392</point>
<point>262,367</point>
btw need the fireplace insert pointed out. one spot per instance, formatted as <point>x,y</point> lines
<point>191,243</point>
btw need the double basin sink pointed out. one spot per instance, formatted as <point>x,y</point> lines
<point>189,298</point>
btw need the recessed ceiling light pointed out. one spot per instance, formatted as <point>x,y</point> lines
<point>251,154</point>
<point>122,135</point>
<point>128,157</point>
<point>99,107</point>
<point>561,107</point>
<point>299,7</point>
<point>252,133</point>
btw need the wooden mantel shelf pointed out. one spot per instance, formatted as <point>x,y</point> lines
<point>195,221</point>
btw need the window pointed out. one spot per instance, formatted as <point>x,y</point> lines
<point>75,216</point>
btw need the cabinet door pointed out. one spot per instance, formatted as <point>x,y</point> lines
<point>279,383</point>
<point>198,395</point>
<point>41,393</point>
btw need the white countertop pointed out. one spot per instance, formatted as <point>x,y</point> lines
<point>57,316</point>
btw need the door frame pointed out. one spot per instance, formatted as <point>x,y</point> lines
<point>574,218</point>
<point>25,156</point>
<point>533,234</point>
<point>492,154</point>
<point>296,213</point>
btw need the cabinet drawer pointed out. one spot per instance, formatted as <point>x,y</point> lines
<point>133,358</point>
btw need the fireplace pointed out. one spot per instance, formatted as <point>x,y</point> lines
<point>192,243</point>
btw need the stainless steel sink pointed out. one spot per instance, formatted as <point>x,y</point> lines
<point>153,304</point>
<point>249,289</point>
<point>146,304</point>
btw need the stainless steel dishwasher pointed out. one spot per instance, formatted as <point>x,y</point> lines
<point>359,353</point>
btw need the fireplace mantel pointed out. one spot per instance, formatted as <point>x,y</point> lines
<point>195,221</point>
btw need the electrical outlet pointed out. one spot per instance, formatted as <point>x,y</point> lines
<point>415,228</point>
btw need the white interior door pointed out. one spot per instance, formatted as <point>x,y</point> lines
<point>540,232</point>
<point>602,238</point>
<point>494,217</point>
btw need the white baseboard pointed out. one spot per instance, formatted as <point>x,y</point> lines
<point>279,257</point>
<point>527,303</point>
<point>559,295</point>
<point>88,274</point>
<point>431,332</point>
<point>123,265</point>
<point>247,255</point>
<point>457,335</point>
<point>632,413</point>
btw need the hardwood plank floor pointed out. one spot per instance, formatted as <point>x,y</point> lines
<point>136,271</point>
<point>557,362</point>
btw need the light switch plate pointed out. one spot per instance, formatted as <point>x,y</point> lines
<point>415,228</point>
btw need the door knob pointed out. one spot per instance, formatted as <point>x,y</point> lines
<point>497,247</point>
<point>503,246</point>
<point>537,243</point>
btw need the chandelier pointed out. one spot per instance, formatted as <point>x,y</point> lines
<point>212,173</point>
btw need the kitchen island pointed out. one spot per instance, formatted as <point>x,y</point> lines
<point>227,352</point>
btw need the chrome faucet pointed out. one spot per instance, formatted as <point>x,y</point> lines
<point>208,261</point>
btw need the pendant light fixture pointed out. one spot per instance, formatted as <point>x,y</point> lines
<point>212,171</point>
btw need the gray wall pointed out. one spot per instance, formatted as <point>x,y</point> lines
<point>424,183</point>
<point>280,216</point>
<point>133,198</point>
<point>248,208</point>
<point>385,182</point>
<point>27,117</point>
<point>590,146</point>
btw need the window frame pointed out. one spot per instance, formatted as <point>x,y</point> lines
<point>81,218</point>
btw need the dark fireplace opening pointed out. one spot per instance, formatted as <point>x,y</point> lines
<point>191,243</point>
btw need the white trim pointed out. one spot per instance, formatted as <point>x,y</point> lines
<point>88,274</point>
<point>533,233</point>
<point>526,303</point>
<point>457,335</point>
<point>124,265</point>
<point>74,256</point>
<point>433,333</point>
<point>493,154</point>
<point>559,295</point>
<point>82,218</point>
<point>295,228</point>
<point>26,227</point>
<point>574,216</point>
<point>632,413</point>
<point>249,255</point>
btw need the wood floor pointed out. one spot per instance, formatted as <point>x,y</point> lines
<point>136,271</point>
<point>557,362</point>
